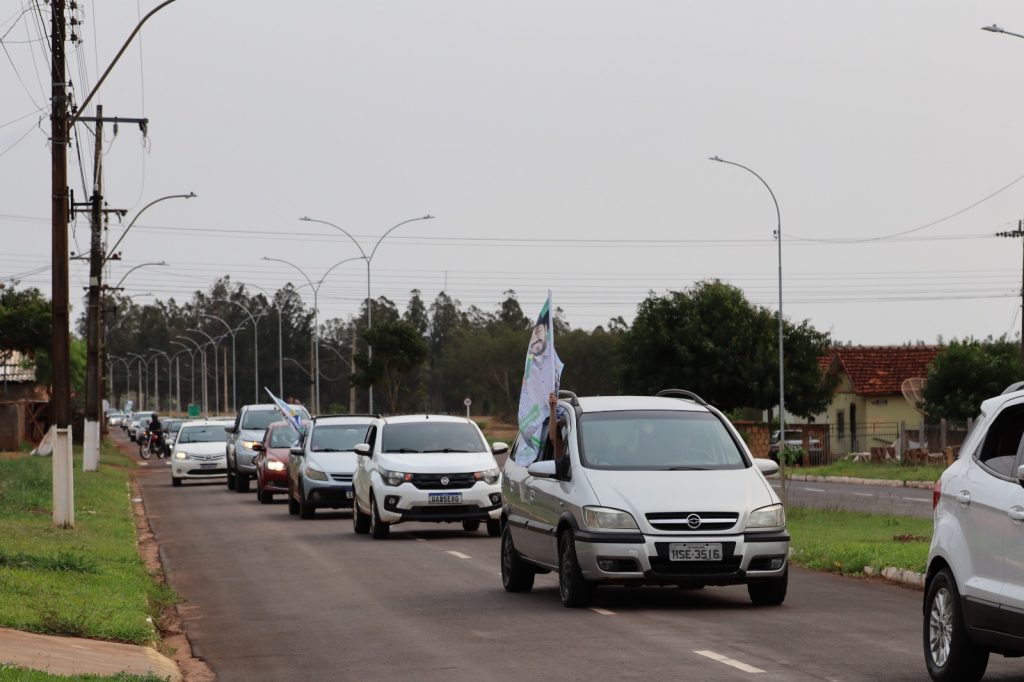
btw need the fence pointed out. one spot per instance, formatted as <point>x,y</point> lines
<point>883,441</point>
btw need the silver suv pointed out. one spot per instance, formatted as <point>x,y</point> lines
<point>322,463</point>
<point>652,491</point>
<point>974,587</point>
<point>249,428</point>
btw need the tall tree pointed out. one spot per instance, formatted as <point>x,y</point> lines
<point>967,372</point>
<point>398,349</point>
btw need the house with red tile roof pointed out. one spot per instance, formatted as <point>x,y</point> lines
<point>868,404</point>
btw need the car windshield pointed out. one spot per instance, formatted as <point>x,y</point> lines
<point>429,436</point>
<point>337,437</point>
<point>257,420</point>
<point>284,436</point>
<point>657,440</point>
<point>208,433</point>
<point>174,426</point>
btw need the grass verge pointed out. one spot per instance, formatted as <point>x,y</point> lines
<point>12,673</point>
<point>845,542</point>
<point>879,470</point>
<point>85,582</point>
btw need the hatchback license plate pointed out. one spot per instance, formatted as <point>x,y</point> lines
<point>695,551</point>
<point>208,465</point>
<point>445,498</point>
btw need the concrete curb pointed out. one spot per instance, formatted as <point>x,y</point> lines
<point>898,576</point>
<point>888,483</point>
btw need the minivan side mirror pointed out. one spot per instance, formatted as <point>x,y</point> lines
<point>499,448</point>
<point>766,466</point>
<point>363,449</point>
<point>296,450</point>
<point>229,429</point>
<point>545,469</point>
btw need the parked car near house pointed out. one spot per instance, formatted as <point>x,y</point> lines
<point>248,429</point>
<point>651,491</point>
<point>974,584</point>
<point>794,439</point>
<point>322,463</point>
<point>272,460</point>
<point>425,468</point>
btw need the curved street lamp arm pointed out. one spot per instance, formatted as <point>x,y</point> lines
<point>778,214</point>
<point>299,365</point>
<point>253,319</point>
<point>200,331</point>
<point>226,325</point>
<point>190,195</point>
<point>392,229</point>
<point>330,269</point>
<point>336,352</point>
<point>339,229</point>
<point>199,349</point>
<point>125,276</point>
<point>301,271</point>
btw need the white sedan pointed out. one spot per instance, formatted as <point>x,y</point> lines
<point>199,450</point>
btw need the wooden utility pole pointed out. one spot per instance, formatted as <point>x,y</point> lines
<point>93,396</point>
<point>1019,233</point>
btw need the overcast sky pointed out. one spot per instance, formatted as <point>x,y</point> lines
<point>561,145</point>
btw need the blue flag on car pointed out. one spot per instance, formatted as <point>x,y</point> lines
<point>540,378</point>
<point>291,415</point>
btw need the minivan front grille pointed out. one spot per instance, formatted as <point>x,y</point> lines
<point>693,521</point>
<point>443,481</point>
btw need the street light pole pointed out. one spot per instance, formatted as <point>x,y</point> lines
<point>255,347</point>
<point>142,401</point>
<point>782,393</point>
<point>216,367</point>
<point>192,369</point>
<point>202,358</point>
<point>369,260</point>
<point>280,348</point>
<point>234,376</point>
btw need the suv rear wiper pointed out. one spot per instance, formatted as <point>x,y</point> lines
<point>446,450</point>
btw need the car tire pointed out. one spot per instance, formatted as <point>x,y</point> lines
<point>493,528</point>
<point>575,590</point>
<point>471,526</point>
<point>176,482</point>
<point>378,529</point>
<point>948,651</point>
<point>241,483</point>
<point>231,477</point>
<point>360,521</point>
<point>262,495</point>
<point>293,505</point>
<point>516,574</point>
<point>306,510</point>
<point>769,592</point>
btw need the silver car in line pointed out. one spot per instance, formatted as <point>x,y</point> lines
<point>652,491</point>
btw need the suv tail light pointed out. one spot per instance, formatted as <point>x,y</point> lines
<point>936,493</point>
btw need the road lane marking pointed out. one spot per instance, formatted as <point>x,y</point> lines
<point>459,554</point>
<point>813,490</point>
<point>863,494</point>
<point>602,612</point>
<point>915,499</point>
<point>739,665</point>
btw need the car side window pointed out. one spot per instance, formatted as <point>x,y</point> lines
<point>514,449</point>
<point>999,449</point>
<point>371,437</point>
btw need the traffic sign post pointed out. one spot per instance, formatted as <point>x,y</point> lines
<point>467,402</point>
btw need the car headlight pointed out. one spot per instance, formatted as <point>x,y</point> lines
<point>490,476</point>
<point>772,516</point>
<point>605,518</point>
<point>247,444</point>
<point>394,478</point>
<point>315,474</point>
<point>275,466</point>
<point>180,455</point>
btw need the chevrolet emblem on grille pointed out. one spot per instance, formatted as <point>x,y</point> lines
<point>445,480</point>
<point>693,521</point>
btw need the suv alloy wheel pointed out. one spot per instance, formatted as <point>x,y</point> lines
<point>574,589</point>
<point>516,574</point>
<point>948,652</point>
<point>378,529</point>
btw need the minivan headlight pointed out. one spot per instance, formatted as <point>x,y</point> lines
<point>605,518</point>
<point>772,516</point>
<point>394,478</point>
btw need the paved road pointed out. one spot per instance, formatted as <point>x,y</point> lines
<point>271,597</point>
<point>876,499</point>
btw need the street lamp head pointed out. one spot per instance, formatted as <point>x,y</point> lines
<point>305,218</point>
<point>993,28</point>
<point>714,158</point>
<point>191,195</point>
<point>427,217</point>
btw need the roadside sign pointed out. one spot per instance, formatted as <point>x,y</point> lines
<point>467,402</point>
<point>193,411</point>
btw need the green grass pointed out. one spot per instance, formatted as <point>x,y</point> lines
<point>11,673</point>
<point>879,470</point>
<point>88,581</point>
<point>845,542</point>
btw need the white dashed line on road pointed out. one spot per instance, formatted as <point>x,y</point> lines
<point>813,490</point>
<point>739,665</point>
<point>915,499</point>
<point>459,554</point>
<point>602,612</point>
<point>863,494</point>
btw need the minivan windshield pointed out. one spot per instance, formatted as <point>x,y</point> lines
<point>657,440</point>
<point>337,437</point>
<point>429,436</point>
<point>257,420</point>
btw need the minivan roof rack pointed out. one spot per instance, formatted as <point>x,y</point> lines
<point>1014,387</point>
<point>682,394</point>
<point>570,396</point>
<point>326,416</point>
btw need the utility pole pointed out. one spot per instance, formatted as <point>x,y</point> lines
<point>1019,233</point>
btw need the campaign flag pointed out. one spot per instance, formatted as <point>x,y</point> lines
<point>291,415</point>
<point>540,377</point>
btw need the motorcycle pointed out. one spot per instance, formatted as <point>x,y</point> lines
<point>152,444</point>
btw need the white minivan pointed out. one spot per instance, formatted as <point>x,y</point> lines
<point>652,491</point>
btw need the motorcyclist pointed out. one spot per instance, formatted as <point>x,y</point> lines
<point>156,431</point>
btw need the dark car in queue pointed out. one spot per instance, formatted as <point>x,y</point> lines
<point>272,460</point>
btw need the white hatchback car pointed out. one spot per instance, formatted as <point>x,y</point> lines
<point>974,587</point>
<point>652,491</point>
<point>426,468</point>
<point>199,450</point>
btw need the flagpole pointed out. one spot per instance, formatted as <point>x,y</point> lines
<point>551,341</point>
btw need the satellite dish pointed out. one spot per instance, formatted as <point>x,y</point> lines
<point>913,390</point>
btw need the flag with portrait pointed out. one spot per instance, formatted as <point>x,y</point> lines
<point>541,375</point>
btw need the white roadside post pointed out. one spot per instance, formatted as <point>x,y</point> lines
<point>467,402</point>
<point>63,479</point>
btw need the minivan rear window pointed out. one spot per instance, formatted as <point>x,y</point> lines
<point>657,440</point>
